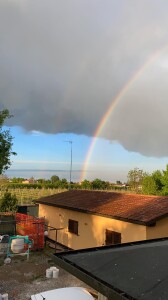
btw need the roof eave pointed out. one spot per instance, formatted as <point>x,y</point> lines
<point>150,223</point>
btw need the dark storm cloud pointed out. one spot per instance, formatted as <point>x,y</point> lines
<point>63,62</point>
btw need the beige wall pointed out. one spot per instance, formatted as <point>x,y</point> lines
<point>159,230</point>
<point>91,228</point>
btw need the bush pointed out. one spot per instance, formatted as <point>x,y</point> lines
<point>8,203</point>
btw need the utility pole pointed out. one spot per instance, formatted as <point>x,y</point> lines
<point>70,142</point>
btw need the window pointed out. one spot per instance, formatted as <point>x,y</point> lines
<point>73,226</point>
<point>112,237</point>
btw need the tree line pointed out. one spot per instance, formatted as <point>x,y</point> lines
<point>56,183</point>
<point>155,183</point>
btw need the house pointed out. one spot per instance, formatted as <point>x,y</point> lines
<point>85,219</point>
<point>136,271</point>
<point>29,181</point>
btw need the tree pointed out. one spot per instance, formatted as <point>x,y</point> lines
<point>17,179</point>
<point>118,182</point>
<point>86,184</point>
<point>41,181</point>
<point>5,143</point>
<point>157,176</point>
<point>63,183</point>
<point>152,184</point>
<point>149,186</point>
<point>98,184</point>
<point>54,179</point>
<point>135,178</point>
<point>3,180</point>
<point>164,181</point>
<point>8,203</point>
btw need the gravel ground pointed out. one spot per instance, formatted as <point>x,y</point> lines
<point>22,278</point>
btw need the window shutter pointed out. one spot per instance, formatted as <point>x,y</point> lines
<point>73,226</point>
<point>112,237</point>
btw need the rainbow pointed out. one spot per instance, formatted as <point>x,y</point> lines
<point>113,105</point>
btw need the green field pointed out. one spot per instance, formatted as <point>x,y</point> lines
<point>26,196</point>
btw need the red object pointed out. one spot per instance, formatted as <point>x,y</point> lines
<point>32,227</point>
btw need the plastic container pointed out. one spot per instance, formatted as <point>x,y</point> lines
<point>53,268</point>
<point>5,296</point>
<point>49,273</point>
<point>17,245</point>
<point>55,273</point>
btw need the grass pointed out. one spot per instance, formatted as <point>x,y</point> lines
<point>26,196</point>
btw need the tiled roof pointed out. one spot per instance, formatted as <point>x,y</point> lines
<point>133,208</point>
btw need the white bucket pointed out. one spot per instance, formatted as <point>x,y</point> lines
<point>55,273</point>
<point>5,297</point>
<point>49,273</point>
<point>17,245</point>
<point>53,268</point>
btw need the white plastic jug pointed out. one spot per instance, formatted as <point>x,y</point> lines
<point>55,273</point>
<point>49,273</point>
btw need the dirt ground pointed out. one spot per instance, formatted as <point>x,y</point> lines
<point>22,278</point>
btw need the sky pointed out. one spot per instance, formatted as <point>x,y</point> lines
<point>93,72</point>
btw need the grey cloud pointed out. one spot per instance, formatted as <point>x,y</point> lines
<point>62,63</point>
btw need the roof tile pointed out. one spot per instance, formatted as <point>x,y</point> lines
<point>134,208</point>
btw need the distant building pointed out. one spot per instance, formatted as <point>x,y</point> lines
<point>29,181</point>
<point>93,218</point>
<point>26,181</point>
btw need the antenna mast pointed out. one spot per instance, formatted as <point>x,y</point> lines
<point>70,142</point>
